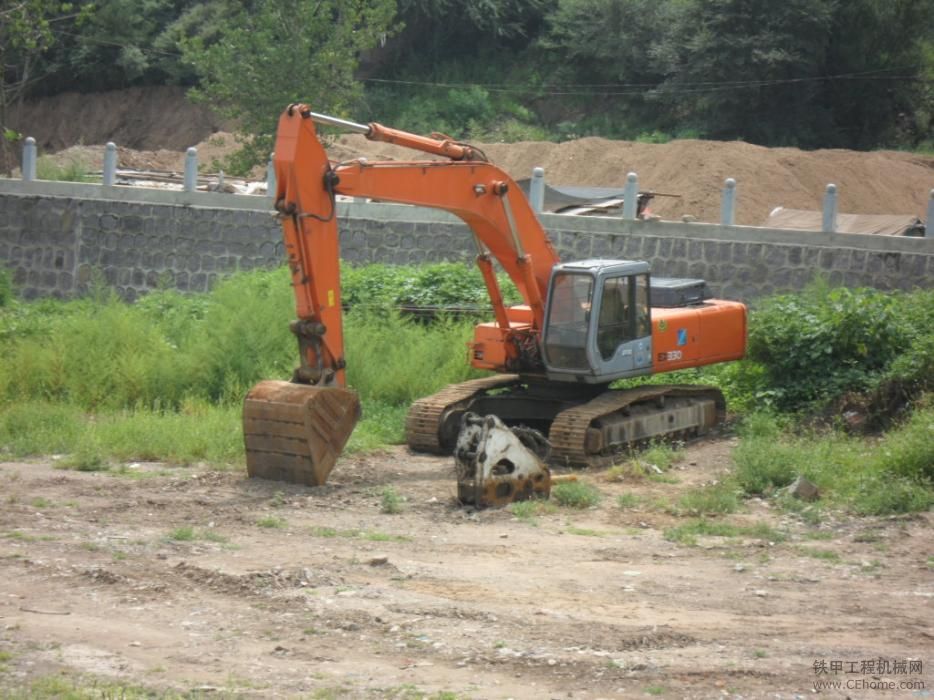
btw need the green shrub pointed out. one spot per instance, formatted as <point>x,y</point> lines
<point>822,343</point>
<point>576,494</point>
<point>391,502</point>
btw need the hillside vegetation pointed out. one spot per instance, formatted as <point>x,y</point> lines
<point>811,73</point>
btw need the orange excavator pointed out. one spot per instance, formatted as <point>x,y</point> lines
<point>583,324</point>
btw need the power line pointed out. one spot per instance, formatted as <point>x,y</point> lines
<point>661,88</point>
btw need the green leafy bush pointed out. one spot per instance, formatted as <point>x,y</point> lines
<point>822,343</point>
<point>439,284</point>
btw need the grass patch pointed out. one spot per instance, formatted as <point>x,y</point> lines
<point>272,522</point>
<point>688,533</point>
<point>822,554</point>
<point>371,535</point>
<point>719,499</point>
<point>527,511</point>
<point>74,170</point>
<point>576,494</point>
<point>182,534</point>
<point>626,501</point>
<point>583,532</point>
<point>85,688</point>
<point>890,475</point>
<point>190,534</point>
<point>390,501</point>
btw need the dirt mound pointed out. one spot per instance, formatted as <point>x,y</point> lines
<point>880,182</point>
<point>211,154</point>
<point>140,118</point>
<point>153,127</point>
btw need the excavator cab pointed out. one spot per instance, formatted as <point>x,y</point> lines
<point>598,323</point>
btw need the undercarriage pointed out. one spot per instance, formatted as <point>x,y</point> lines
<point>587,425</point>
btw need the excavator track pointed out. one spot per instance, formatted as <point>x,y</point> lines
<point>588,432</point>
<point>425,419</point>
<point>595,432</point>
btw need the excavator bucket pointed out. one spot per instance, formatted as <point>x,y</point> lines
<point>296,432</point>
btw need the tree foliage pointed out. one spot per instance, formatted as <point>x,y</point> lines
<point>812,73</point>
<point>274,52</point>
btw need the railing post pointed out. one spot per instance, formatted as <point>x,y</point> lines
<point>29,159</point>
<point>537,190</point>
<point>929,223</point>
<point>109,176</point>
<point>191,169</point>
<point>631,197</point>
<point>830,209</point>
<point>728,203</point>
<point>271,176</point>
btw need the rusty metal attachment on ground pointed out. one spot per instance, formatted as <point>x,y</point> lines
<point>497,465</point>
<point>295,432</point>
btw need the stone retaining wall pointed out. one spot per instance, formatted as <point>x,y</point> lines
<point>55,237</point>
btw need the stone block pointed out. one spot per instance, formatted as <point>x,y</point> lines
<point>841,259</point>
<point>600,246</point>
<point>775,256</point>
<point>695,250</point>
<point>108,222</point>
<point>679,249</point>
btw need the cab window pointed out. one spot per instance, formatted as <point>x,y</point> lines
<point>568,317</point>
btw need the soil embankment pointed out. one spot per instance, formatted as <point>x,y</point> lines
<point>154,126</point>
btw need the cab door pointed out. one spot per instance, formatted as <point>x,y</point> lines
<point>622,338</point>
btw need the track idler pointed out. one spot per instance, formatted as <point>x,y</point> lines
<point>296,432</point>
<point>497,465</point>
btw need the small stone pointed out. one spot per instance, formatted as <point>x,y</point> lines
<point>135,644</point>
<point>381,560</point>
<point>761,593</point>
<point>552,662</point>
<point>739,568</point>
<point>804,490</point>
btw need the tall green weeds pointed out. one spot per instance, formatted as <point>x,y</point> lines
<point>164,378</point>
<point>892,475</point>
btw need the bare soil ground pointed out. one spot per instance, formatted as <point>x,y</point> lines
<point>154,126</point>
<point>286,591</point>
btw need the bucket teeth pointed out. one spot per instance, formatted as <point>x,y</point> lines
<point>296,432</point>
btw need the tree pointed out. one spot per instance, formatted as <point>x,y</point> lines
<point>270,53</point>
<point>25,33</point>
<point>608,50</point>
<point>883,45</point>
<point>750,68</point>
